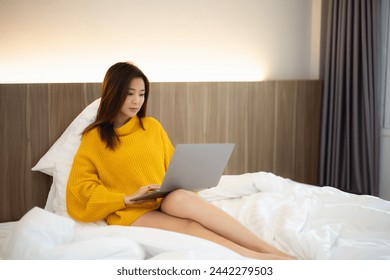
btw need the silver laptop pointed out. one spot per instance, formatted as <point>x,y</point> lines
<point>193,167</point>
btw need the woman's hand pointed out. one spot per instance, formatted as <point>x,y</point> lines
<point>141,191</point>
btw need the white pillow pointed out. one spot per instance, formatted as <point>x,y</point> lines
<point>58,160</point>
<point>66,146</point>
<point>60,180</point>
<point>50,198</point>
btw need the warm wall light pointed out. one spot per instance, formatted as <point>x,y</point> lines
<point>157,71</point>
<point>76,41</point>
<point>195,72</point>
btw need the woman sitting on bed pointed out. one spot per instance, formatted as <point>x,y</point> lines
<point>124,154</point>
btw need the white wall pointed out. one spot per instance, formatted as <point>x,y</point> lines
<point>171,40</point>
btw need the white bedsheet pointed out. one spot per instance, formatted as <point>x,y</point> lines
<point>306,221</point>
<point>44,235</point>
<point>5,230</point>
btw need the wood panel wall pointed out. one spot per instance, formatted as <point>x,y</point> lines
<point>275,125</point>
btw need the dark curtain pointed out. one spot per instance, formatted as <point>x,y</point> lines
<point>350,127</point>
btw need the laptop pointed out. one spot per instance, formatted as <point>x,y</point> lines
<point>193,167</point>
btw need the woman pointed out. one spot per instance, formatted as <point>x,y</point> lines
<point>124,154</point>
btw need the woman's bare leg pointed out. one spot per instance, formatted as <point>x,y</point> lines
<point>161,220</point>
<point>188,205</point>
<point>217,225</point>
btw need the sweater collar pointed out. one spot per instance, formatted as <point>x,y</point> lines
<point>129,127</point>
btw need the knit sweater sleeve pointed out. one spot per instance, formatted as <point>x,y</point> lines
<point>87,199</point>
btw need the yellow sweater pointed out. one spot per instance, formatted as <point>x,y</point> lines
<point>100,177</point>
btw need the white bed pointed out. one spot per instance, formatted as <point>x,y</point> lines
<point>306,221</point>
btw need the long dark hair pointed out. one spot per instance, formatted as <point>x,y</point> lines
<point>114,91</point>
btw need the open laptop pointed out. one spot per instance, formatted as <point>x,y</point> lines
<point>193,167</point>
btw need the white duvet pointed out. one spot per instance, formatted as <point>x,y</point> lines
<point>306,221</point>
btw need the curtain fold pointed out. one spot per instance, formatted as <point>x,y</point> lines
<point>350,128</point>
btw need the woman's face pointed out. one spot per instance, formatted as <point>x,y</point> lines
<point>133,102</point>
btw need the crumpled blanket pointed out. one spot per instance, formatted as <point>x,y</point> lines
<point>307,221</point>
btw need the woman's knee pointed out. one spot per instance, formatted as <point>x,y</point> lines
<point>178,199</point>
<point>180,196</point>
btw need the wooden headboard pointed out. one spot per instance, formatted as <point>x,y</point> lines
<point>275,125</point>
